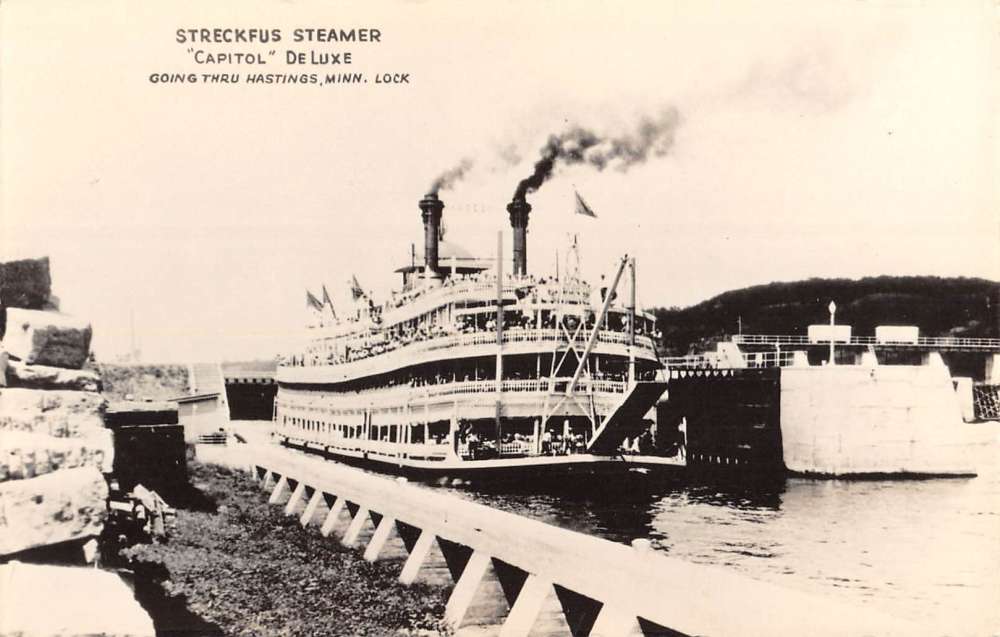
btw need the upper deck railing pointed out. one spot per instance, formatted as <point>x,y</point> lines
<point>405,353</point>
<point>408,393</point>
<point>415,303</point>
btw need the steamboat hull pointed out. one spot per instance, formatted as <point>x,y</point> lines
<point>549,472</point>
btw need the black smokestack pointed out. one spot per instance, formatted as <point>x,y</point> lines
<point>652,136</point>
<point>430,211</point>
<point>447,179</point>
<point>518,210</point>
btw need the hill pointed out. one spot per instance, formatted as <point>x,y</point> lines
<point>962,306</point>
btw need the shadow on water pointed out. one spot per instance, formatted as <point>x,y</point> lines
<point>624,506</point>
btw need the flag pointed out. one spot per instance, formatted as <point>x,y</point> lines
<point>312,302</point>
<point>356,291</point>
<point>315,308</point>
<point>582,208</point>
<point>328,303</point>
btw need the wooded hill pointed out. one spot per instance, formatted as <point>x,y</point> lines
<point>965,307</point>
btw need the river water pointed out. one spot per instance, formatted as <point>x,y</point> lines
<point>927,550</point>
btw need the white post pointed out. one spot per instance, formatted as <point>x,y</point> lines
<point>833,311</point>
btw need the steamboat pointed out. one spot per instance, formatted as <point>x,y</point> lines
<point>469,371</point>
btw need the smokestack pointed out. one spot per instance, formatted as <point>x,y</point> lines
<point>430,208</point>
<point>518,209</point>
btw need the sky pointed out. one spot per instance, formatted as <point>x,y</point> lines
<point>818,139</point>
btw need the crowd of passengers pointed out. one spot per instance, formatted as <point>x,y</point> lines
<point>552,444</point>
<point>387,341</point>
<point>544,288</point>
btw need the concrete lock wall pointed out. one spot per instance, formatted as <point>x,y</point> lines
<point>870,419</point>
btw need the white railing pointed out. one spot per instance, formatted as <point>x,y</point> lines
<point>622,590</point>
<point>405,353</point>
<point>401,394</point>
<point>935,342</point>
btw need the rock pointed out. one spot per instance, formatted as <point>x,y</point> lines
<point>47,338</point>
<point>26,455</point>
<point>44,377</point>
<point>64,600</point>
<point>57,413</point>
<point>3,368</point>
<point>56,507</point>
<point>26,283</point>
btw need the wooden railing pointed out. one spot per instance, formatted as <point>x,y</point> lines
<point>521,575</point>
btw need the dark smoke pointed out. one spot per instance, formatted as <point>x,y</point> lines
<point>448,178</point>
<point>577,145</point>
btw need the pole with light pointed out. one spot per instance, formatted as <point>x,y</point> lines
<point>833,311</point>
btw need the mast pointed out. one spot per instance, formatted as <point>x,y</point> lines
<point>631,323</point>
<point>499,320</point>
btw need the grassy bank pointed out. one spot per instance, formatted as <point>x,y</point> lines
<point>248,569</point>
<point>141,382</point>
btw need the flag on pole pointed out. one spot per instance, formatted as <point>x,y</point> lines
<point>356,290</point>
<point>582,208</point>
<point>328,303</point>
<point>312,302</point>
<point>315,308</point>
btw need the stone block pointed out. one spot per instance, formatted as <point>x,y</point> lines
<point>56,507</point>
<point>41,599</point>
<point>19,374</point>
<point>25,283</point>
<point>58,413</point>
<point>26,455</point>
<point>47,338</point>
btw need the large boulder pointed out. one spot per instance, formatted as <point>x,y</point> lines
<point>47,338</point>
<point>26,283</point>
<point>55,413</point>
<point>26,455</point>
<point>41,599</point>
<point>19,374</point>
<point>56,507</point>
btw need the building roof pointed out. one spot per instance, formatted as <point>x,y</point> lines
<point>198,398</point>
<point>447,252</point>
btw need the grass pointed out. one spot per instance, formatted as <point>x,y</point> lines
<point>247,569</point>
<point>155,382</point>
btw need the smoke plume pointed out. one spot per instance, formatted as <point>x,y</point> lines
<point>450,177</point>
<point>652,136</point>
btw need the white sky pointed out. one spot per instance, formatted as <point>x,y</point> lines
<point>816,139</point>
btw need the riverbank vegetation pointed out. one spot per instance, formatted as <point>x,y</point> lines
<point>957,306</point>
<point>245,568</point>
